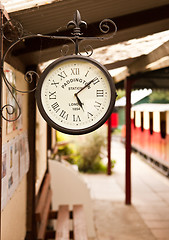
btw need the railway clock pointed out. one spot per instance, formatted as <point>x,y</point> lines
<point>75,94</point>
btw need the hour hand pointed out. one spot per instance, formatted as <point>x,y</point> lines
<point>79,102</point>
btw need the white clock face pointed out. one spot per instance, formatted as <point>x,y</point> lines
<point>75,94</point>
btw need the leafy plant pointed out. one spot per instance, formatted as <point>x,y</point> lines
<point>113,162</point>
<point>120,93</point>
<point>159,95</point>
<point>89,150</point>
<point>64,149</point>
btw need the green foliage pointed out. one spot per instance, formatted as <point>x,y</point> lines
<point>117,132</point>
<point>121,93</point>
<point>66,149</point>
<point>159,96</point>
<point>96,167</point>
<point>67,152</point>
<point>86,150</point>
<point>113,162</point>
<point>89,150</point>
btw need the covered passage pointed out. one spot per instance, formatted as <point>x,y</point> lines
<point>50,18</point>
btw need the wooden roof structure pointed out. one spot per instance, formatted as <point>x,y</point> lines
<point>134,19</point>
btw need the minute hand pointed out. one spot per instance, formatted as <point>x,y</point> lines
<point>84,86</point>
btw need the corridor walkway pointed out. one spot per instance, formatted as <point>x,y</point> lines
<point>148,216</point>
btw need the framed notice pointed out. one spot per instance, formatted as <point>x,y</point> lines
<point>15,164</point>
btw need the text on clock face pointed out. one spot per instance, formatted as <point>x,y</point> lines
<point>73,80</point>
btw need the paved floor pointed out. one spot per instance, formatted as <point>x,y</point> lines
<point>148,216</point>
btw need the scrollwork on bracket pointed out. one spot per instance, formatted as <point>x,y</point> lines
<point>64,50</point>
<point>10,109</point>
<point>13,32</point>
<point>105,28</point>
<point>87,49</point>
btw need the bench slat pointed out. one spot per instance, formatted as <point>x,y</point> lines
<point>62,227</point>
<point>44,220</point>
<point>42,199</point>
<point>79,223</point>
<point>64,218</point>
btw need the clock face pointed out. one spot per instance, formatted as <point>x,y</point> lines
<point>75,95</point>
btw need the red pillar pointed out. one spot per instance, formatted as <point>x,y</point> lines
<point>128,86</point>
<point>109,147</point>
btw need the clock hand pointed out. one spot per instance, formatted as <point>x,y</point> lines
<point>79,102</point>
<point>84,86</point>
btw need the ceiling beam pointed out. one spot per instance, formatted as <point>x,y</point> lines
<point>120,63</point>
<point>4,12</point>
<point>157,79</point>
<point>140,65</point>
<point>123,23</point>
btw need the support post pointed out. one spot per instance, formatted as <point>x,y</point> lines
<point>49,137</point>
<point>128,86</point>
<point>31,176</point>
<point>109,147</point>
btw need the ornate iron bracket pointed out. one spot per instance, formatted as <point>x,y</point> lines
<point>13,32</point>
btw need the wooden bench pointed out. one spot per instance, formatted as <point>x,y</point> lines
<point>70,224</point>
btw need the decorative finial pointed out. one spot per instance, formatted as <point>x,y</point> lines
<point>77,23</point>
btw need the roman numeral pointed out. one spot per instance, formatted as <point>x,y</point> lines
<point>99,93</point>
<point>64,115</point>
<point>86,73</point>
<point>62,74</point>
<point>52,95</point>
<point>74,71</point>
<point>97,105</point>
<point>54,83</point>
<point>95,80</point>
<point>89,115</point>
<point>76,118</point>
<point>55,107</point>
